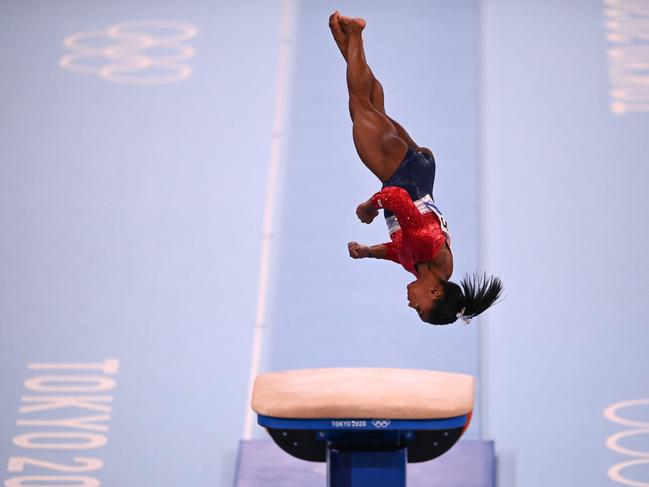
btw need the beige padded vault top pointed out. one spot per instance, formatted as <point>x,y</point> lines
<point>363,393</point>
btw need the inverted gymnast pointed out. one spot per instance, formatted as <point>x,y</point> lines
<point>420,240</point>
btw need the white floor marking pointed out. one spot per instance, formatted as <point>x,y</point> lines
<point>283,65</point>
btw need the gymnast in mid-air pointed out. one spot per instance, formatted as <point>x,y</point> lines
<point>420,239</point>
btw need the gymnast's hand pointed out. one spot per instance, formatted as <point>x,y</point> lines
<point>366,212</point>
<point>358,251</point>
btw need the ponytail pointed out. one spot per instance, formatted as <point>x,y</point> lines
<point>478,293</point>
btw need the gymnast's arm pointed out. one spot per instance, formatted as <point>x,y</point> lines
<point>395,199</point>
<point>383,251</point>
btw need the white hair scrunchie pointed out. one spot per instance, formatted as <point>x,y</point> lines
<point>465,319</point>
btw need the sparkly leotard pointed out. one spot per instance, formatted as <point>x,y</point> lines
<point>417,228</point>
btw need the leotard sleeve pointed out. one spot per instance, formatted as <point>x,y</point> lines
<point>398,201</point>
<point>392,252</point>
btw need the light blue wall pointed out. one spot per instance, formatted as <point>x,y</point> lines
<point>132,225</point>
<point>127,231</point>
<point>565,211</point>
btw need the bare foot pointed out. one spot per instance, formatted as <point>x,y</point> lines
<point>339,36</point>
<point>350,25</point>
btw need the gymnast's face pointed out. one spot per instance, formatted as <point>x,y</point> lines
<point>423,295</point>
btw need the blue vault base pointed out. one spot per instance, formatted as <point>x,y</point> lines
<point>470,463</point>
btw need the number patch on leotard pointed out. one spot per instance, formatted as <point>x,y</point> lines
<point>442,220</point>
<point>424,205</point>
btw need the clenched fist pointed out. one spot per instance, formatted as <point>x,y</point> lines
<point>366,212</point>
<point>358,251</point>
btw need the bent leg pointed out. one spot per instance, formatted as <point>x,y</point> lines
<point>377,99</point>
<point>375,137</point>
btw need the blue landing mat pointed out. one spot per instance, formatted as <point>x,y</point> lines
<point>470,463</point>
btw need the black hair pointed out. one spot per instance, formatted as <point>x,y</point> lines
<point>478,292</point>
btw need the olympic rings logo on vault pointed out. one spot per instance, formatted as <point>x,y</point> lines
<point>381,423</point>
<point>140,52</point>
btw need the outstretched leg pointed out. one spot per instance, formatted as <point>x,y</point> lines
<point>376,94</point>
<point>342,41</point>
<point>375,137</point>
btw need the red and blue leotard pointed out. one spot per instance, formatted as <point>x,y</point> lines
<point>417,229</point>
